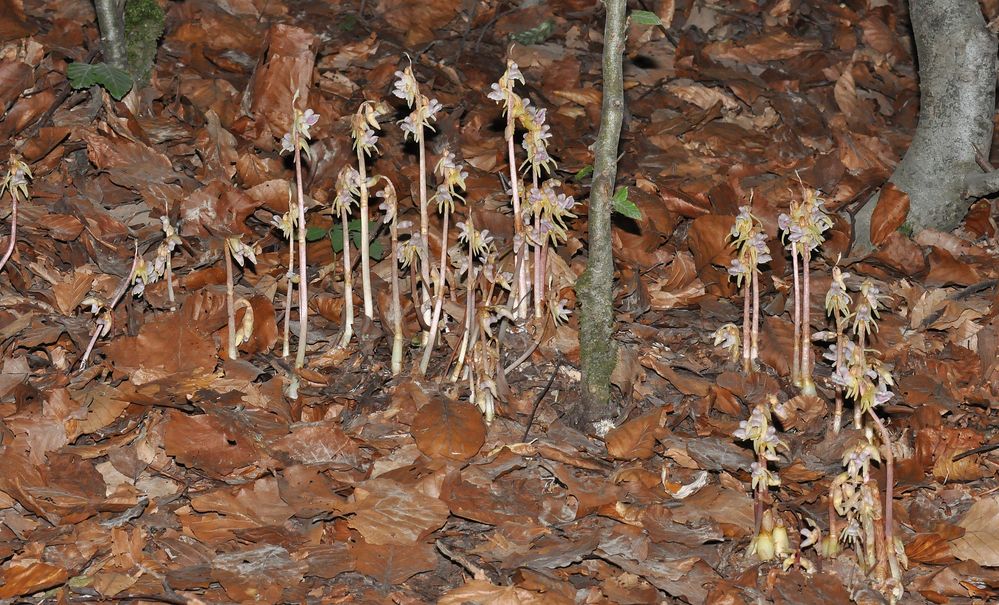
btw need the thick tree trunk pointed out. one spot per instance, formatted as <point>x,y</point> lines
<point>957,80</point>
<point>595,287</point>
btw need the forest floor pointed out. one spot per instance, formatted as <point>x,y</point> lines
<point>165,472</point>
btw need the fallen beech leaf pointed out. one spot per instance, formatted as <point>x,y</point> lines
<point>164,347</point>
<point>392,565</point>
<point>203,442</point>
<point>946,270</point>
<point>485,593</point>
<point>103,405</point>
<point>29,579</point>
<point>980,542</point>
<point>240,573</point>
<point>259,502</point>
<point>929,548</point>
<point>417,18</point>
<point>319,443</point>
<point>389,513</point>
<point>889,213</point>
<point>449,428</point>
<point>635,439</point>
<point>901,254</point>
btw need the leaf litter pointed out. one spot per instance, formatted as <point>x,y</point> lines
<point>165,472</point>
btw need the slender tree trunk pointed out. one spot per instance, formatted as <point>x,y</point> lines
<point>595,287</point>
<point>111,20</point>
<point>957,79</point>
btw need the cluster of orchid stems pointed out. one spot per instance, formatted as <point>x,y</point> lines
<point>472,264</point>
<point>803,232</point>
<point>423,111</point>
<point>16,183</point>
<point>540,218</point>
<point>860,376</point>
<point>750,242</point>
<point>770,538</point>
<point>857,376</point>
<point>295,142</point>
<point>148,272</point>
<point>854,496</point>
<point>102,309</point>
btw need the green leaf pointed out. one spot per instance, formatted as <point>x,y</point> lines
<point>645,18</point>
<point>535,35</point>
<point>116,81</point>
<point>583,172</point>
<point>336,240</point>
<point>347,22</point>
<point>622,205</point>
<point>313,234</point>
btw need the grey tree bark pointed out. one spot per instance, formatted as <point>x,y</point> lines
<point>111,20</point>
<point>957,80</point>
<point>598,355</point>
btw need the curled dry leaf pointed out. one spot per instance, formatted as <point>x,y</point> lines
<point>930,548</point>
<point>889,213</point>
<point>636,439</point>
<point>946,270</point>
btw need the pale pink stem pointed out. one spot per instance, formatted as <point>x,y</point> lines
<point>348,284</point>
<point>806,321</point>
<point>796,361</point>
<point>229,300</point>
<point>286,344</point>
<point>469,317</point>
<point>755,350</point>
<point>840,339</point>
<point>122,288</point>
<point>439,303</point>
<point>858,416</point>
<point>169,281</point>
<point>539,285</point>
<point>746,336</point>
<point>889,482</point>
<point>519,299</point>
<point>365,261</point>
<point>303,281</point>
<point>396,308</point>
<point>13,229</point>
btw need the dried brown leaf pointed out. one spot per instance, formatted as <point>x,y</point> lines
<point>392,565</point>
<point>980,542</point>
<point>889,213</point>
<point>204,442</point>
<point>449,428</point>
<point>164,347</point>
<point>389,513</point>
<point>636,439</point>
<point>31,578</point>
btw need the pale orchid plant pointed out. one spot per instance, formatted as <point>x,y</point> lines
<point>16,183</point>
<point>295,142</point>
